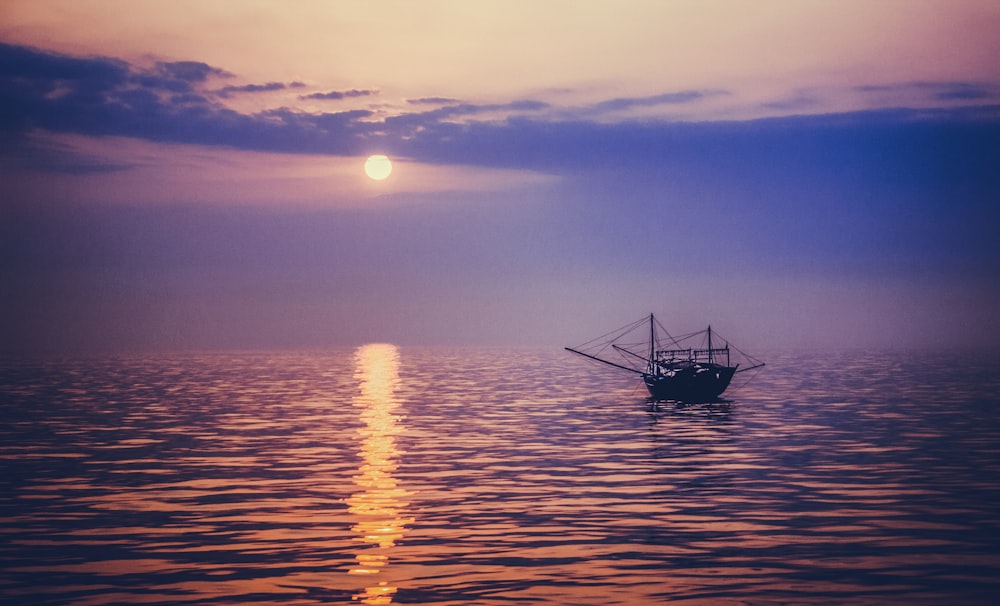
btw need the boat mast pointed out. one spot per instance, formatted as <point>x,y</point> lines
<point>652,346</point>
<point>709,343</point>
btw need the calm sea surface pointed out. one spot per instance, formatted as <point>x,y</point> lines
<point>417,476</point>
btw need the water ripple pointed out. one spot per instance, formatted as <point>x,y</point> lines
<point>400,475</point>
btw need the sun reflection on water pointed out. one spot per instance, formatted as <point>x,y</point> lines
<point>379,504</point>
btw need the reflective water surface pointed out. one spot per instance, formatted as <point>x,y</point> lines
<point>492,476</point>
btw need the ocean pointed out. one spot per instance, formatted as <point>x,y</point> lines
<point>387,474</point>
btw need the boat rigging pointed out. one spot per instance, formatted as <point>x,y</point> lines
<point>688,368</point>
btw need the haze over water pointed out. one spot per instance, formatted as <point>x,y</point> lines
<point>495,476</point>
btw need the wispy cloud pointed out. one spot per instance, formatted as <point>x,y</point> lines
<point>940,91</point>
<point>797,102</point>
<point>49,155</point>
<point>190,71</point>
<point>433,101</point>
<point>258,88</point>
<point>405,125</point>
<point>336,95</point>
<point>674,98</point>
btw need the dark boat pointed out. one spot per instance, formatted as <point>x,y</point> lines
<point>688,368</point>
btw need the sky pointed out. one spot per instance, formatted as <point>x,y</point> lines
<point>797,173</point>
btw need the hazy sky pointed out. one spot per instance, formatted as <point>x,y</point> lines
<point>797,173</point>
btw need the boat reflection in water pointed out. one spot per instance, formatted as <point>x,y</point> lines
<point>379,504</point>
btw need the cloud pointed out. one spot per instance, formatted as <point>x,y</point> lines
<point>191,71</point>
<point>252,88</point>
<point>96,96</point>
<point>405,126</point>
<point>335,95</point>
<point>675,98</point>
<point>800,101</point>
<point>46,154</point>
<point>921,92</point>
<point>967,91</point>
<point>99,96</point>
<point>433,101</point>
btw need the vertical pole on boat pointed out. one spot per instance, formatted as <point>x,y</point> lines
<point>709,343</point>
<point>652,346</point>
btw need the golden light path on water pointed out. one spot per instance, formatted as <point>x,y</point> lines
<point>379,503</point>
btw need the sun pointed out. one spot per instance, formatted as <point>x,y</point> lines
<point>378,167</point>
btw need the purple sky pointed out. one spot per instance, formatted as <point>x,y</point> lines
<point>810,178</point>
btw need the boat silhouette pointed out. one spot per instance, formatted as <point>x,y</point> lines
<point>688,368</point>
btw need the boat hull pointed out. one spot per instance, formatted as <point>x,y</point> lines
<point>700,383</point>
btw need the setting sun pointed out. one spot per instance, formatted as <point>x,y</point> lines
<point>378,167</point>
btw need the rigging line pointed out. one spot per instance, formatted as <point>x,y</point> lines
<point>731,346</point>
<point>618,332</point>
<point>749,378</point>
<point>666,332</point>
<point>624,351</point>
<point>690,335</point>
<point>602,361</point>
<point>638,385</point>
<point>624,359</point>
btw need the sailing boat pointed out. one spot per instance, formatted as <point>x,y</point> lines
<point>688,368</point>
